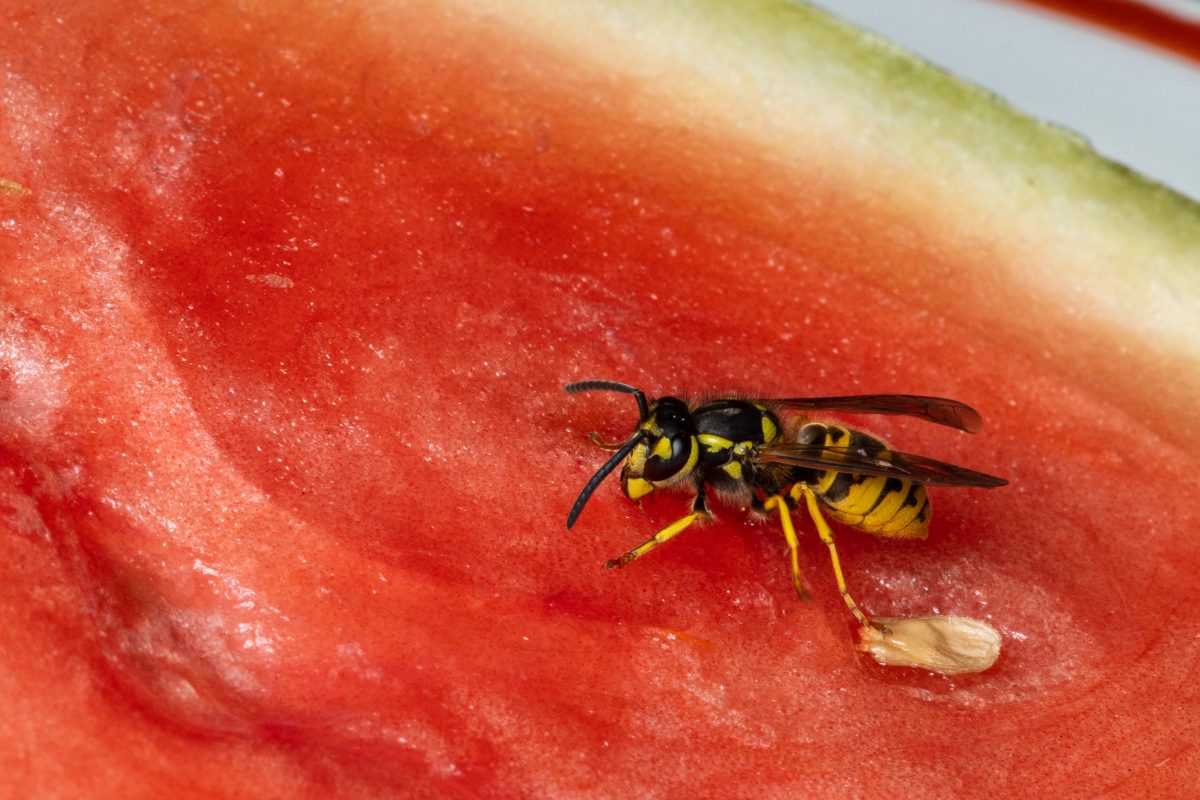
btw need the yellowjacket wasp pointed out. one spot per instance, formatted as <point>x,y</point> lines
<point>752,455</point>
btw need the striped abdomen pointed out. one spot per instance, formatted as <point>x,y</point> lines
<point>884,506</point>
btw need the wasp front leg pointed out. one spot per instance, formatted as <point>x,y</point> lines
<point>603,443</point>
<point>699,511</point>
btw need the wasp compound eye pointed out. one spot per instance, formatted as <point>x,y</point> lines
<point>667,457</point>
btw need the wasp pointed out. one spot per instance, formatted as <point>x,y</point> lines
<point>769,456</point>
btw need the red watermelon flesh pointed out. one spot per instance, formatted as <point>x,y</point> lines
<point>284,457</point>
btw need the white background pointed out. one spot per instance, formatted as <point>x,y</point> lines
<point>1137,104</point>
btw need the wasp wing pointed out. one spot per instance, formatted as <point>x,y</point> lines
<point>861,461</point>
<point>941,410</point>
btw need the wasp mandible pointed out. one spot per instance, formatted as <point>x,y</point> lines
<point>768,455</point>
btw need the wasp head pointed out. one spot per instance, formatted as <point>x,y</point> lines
<point>667,452</point>
<point>661,451</point>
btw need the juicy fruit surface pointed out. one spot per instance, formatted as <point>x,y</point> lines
<point>285,459</point>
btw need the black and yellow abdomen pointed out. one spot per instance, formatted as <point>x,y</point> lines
<point>879,504</point>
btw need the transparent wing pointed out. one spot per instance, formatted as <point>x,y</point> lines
<point>861,461</point>
<point>941,410</point>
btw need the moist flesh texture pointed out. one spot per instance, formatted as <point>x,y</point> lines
<point>284,460</point>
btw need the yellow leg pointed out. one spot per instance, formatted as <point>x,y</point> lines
<point>602,443</point>
<point>789,533</point>
<point>826,535</point>
<point>669,532</point>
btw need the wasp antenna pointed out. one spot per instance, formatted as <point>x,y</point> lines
<point>600,475</point>
<point>611,386</point>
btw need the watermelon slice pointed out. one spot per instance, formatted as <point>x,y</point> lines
<point>288,297</point>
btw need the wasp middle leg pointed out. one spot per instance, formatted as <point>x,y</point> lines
<point>823,530</point>
<point>789,533</point>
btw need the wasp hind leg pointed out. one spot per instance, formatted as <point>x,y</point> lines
<point>823,530</point>
<point>699,511</point>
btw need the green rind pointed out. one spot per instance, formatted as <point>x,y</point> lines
<point>772,40</point>
<point>788,77</point>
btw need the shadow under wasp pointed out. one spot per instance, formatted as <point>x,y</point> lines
<point>767,455</point>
